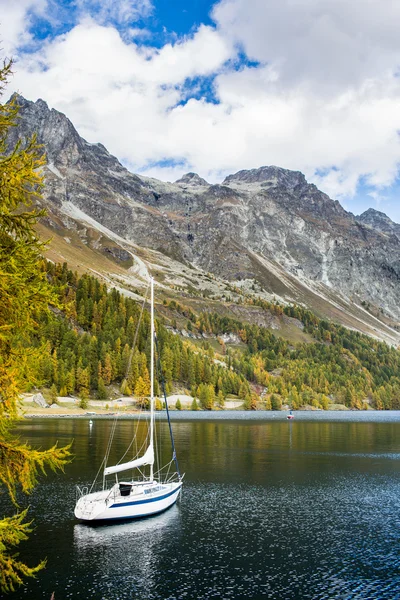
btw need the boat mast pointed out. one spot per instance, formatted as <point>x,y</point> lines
<point>152,372</point>
<point>174,457</point>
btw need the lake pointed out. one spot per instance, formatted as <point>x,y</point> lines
<point>270,509</point>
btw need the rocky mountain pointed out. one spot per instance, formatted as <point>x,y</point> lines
<point>379,221</point>
<point>265,231</point>
<point>192,179</point>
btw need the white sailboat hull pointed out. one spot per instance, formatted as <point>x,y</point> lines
<point>143,501</point>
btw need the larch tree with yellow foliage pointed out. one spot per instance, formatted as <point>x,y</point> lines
<point>24,294</point>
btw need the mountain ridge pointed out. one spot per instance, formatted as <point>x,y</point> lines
<point>265,227</point>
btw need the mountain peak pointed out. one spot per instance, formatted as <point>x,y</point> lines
<point>192,179</point>
<point>62,141</point>
<point>17,97</point>
<point>372,213</point>
<point>23,102</point>
<point>42,104</point>
<point>379,221</point>
<point>267,174</point>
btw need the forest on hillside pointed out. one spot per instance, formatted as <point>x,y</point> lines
<point>89,340</point>
<point>341,366</point>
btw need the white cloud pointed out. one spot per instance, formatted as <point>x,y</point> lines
<point>331,43</point>
<point>120,93</point>
<point>15,22</point>
<point>324,98</point>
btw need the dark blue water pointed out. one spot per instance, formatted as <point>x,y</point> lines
<point>270,509</point>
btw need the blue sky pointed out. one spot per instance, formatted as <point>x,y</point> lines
<point>164,19</point>
<point>180,16</point>
<point>170,86</point>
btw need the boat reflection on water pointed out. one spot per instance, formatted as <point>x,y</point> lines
<point>126,532</point>
<point>124,558</point>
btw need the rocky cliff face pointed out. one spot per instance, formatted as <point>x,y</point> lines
<point>265,224</point>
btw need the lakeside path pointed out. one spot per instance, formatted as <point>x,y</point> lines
<point>367,416</point>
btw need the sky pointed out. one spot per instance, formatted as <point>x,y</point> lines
<point>172,86</point>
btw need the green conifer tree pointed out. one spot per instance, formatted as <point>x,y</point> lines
<point>276,402</point>
<point>221,399</point>
<point>25,294</point>
<point>125,389</point>
<point>53,394</point>
<point>101,390</point>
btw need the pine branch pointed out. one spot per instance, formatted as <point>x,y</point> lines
<point>25,294</point>
<point>13,530</point>
<point>20,464</point>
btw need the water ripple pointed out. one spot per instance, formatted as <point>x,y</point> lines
<point>260,517</point>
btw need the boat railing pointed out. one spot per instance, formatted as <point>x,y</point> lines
<point>174,477</point>
<point>114,491</point>
<point>81,491</point>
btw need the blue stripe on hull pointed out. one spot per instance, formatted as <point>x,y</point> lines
<point>143,516</point>
<point>145,501</point>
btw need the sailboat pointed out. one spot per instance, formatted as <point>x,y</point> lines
<point>135,497</point>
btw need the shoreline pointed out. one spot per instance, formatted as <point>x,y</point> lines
<point>224,415</point>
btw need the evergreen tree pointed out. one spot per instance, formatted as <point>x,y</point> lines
<point>53,394</point>
<point>107,370</point>
<point>125,389</point>
<point>25,293</point>
<point>294,399</point>
<point>101,390</point>
<point>206,396</point>
<point>276,402</point>
<point>71,382</point>
<point>133,374</point>
<point>83,382</point>
<point>221,399</point>
<point>84,402</point>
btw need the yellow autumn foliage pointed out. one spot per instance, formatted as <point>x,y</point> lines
<point>24,294</point>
